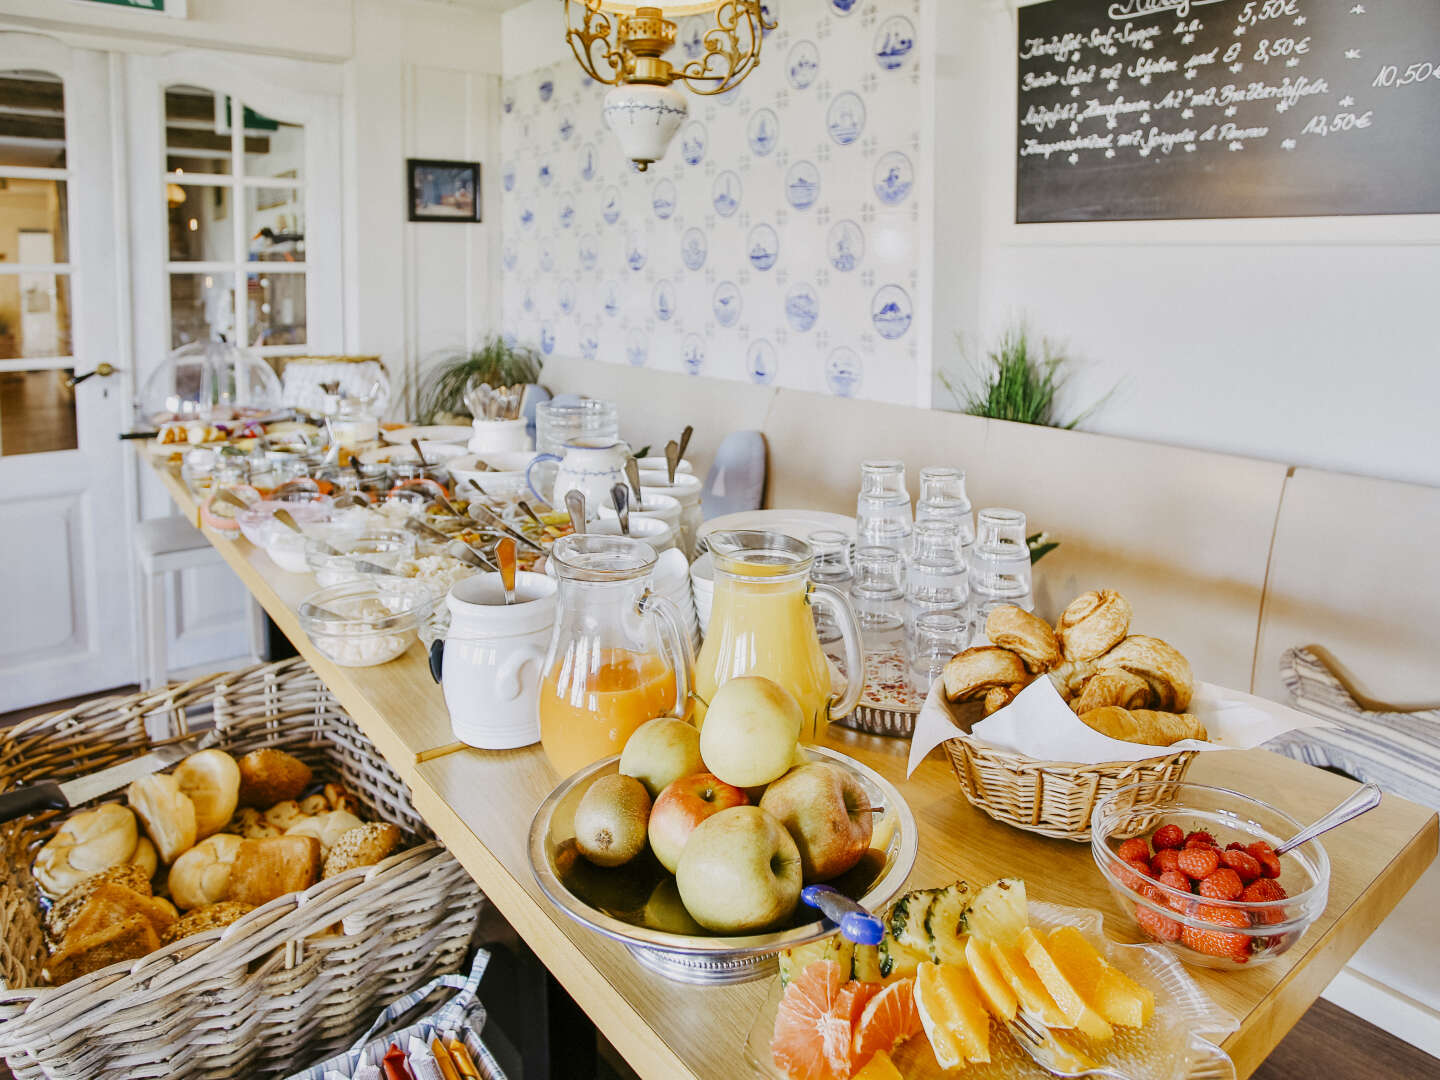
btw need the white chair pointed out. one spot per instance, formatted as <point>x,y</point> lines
<point>165,546</point>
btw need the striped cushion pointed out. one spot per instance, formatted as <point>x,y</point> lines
<point>1400,751</point>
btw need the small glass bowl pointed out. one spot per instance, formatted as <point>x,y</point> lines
<point>364,623</point>
<point>285,547</point>
<point>1256,932</point>
<point>383,547</point>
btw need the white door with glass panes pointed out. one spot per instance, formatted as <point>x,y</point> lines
<point>64,541</point>
<point>235,187</point>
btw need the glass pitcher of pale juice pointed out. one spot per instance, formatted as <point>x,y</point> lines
<point>618,654</point>
<point>761,624</point>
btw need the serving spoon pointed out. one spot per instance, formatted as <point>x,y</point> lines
<point>1360,801</point>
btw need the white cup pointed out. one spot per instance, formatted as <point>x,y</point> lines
<point>499,435</point>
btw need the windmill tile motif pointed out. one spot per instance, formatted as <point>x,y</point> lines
<point>778,241</point>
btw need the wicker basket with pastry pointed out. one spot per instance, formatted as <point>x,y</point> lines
<point>1129,687</point>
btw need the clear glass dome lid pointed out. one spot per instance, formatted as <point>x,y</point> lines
<point>209,381</point>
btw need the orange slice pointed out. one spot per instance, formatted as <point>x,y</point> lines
<point>952,1014</point>
<point>1121,1000</point>
<point>879,1067</point>
<point>812,1025</point>
<point>889,1018</point>
<point>1067,996</point>
<point>1111,993</point>
<point>997,994</point>
<point>1029,990</point>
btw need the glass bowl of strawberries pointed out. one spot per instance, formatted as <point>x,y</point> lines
<point>1195,869</point>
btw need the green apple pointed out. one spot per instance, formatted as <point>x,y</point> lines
<point>661,751</point>
<point>751,731</point>
<point>666,911</point>
<point>739,872</point>
<point>827,814</point>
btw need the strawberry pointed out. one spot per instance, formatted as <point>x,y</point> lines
<point>1156,925</point>
<point>1215,942</point>
<point>1201,838</point>
<point>1168,836</point>
<point>1223,884</point>
<point>1265,856</point>
<point>1264,891</point>
<point>1133,874</point>
<point>1168,859</point>
<point>1198,863</point>
<point>1134,848</point>
<point>1242,862</point>
<point>1176,880</point>
<point>1235,845</point>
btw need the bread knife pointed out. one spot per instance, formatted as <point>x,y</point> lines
<point>66,794</point>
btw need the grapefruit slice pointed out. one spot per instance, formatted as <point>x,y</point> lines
<point>952,1014</point>
<point>1029,990</point>
<point>813,1024</point>
<point>889,1018</point>
<point>997,994</point>
<point>1067,996</point>
<point>880,1067</point>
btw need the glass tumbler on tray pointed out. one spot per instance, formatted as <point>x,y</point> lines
<point>883,516</point>
<point>999,565</point>
<point>943,498</point>
<point>831,567</point>
<point>936,637</point>
<point>937,580</point>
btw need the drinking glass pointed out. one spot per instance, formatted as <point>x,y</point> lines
<point>884,476</point>
<point>999,573</point>
<point>937,578</point>
<point>883,517</point>
<point>943,498</point>
<point>937,637</point>
<point>998,525</point>
<point>878,596</point>
<point>831,567</point>
<point>558,422</point>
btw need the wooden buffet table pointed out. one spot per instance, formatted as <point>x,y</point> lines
<point>480,803</point>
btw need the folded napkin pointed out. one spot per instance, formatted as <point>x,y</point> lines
<point>1040,725</point>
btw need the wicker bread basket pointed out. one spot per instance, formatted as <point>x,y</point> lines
<point>1052,798</point>
<point>291,982</point>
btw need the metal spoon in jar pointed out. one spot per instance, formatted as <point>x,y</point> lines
<point>672,458</point>
<point>493,518</point>
<point>1362,800</point>
<point>525,508</point>
<point>575,503</point>
<point>434,535</point>
<point>632,473</point>
<point>684,444</point>
<point>505,555</point>
<point>620,495</point>
<point>419,454</point>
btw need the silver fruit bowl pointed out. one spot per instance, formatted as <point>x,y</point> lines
<point>619,903</point>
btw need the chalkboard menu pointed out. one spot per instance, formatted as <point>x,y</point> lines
<point>1140,109</point>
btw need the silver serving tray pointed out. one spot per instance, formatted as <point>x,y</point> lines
<point>712,960</point>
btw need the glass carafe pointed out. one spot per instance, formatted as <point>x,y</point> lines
<point>618,656</point>
<point>761,624</point>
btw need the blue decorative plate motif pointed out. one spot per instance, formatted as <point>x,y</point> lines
<point>726,193</point>
<point>547,256</point>
<point>547,90</point>
<point>507,178</point>
<point>693,249</point>
<point>692,354</point>
<point>692,142</point>
<point>509,104</point>
<point>637,348</point>
<point>894,42</point>
<point>843,372</point>
<point>589,252</point>
<point>528,303</point>
<point>894,178</point>
<point>589,342</point>
<point>662,200</point>
<point>587,162</point>
<point>891,312</point>
<point>691,37</point>
<point>510,258</point>
<point>763,247</point>
<point>802,185</point>
<point>546,174</point>
<point>547,338</point>
<point>727,303</point>
<point>845,246</point>
<point>662,301</point>
<point>565,216</point>
<point>802,307</point>
<point>803,64</point>
<point>565,295</point>
<point>844,7</point>
<point>566,127</point>
<point>761,362</point>
<point>610,205</point>
<point>845,119</point>
<point>612,299</point>
<point>762,132</point>
<point>527,217</point>
<point>635,255</point>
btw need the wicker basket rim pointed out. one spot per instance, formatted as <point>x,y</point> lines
<point>1024,763</point>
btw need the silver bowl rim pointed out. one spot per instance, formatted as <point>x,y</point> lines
<point>757,945</point>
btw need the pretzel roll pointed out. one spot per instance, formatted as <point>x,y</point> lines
<point>1026,635</point>
<point>212,780</point>
<point>970,673</point>
<point>1113,686</point>
<point>87,843</point>
<point>1094,622</point>
<point>1160,665</point>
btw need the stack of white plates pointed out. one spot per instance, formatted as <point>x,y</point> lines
<point>671,579</point>
<point>702,585</point>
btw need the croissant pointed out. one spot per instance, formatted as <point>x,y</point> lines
<point>1092,623</point>
<point>997,697</point>
<point>970,673</point>
<point>1026,635</point>
<point>1113,686</point>
<point>1144,725</point>
<point>1161,666</point>
<point>1069,677</point>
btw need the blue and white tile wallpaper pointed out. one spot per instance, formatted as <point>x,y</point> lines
<point>776,242</point>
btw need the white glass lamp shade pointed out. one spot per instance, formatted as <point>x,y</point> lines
<point>645,117</point>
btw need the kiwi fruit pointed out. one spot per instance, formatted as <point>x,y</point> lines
<point>611,820</point>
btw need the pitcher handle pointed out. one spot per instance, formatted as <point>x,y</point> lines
<point>536,460</point>
<point>674,638</point>
<point>827,596</point>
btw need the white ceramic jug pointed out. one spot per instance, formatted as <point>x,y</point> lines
<point>590,466</point>
<point>490,661</point>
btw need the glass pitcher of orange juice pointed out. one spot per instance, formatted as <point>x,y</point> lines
<point>761,624</point>
<point>618,655</point>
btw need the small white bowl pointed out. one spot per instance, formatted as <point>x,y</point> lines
<point>657,463</point>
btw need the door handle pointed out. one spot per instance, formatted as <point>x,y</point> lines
<point>102,369</point>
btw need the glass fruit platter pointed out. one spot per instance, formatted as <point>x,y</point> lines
<point>636,903</point>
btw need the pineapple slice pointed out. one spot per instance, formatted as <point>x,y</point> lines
<point>944,937</point>
<point>997,994</point>
<point>1068,997</point>
<point>794,961</point>
<point>1029,990</point>
<point>898,961</point>
<point>866,964</point>
<point>1121,1000</point>
<point>907,919</point>
<point>998,912</point>
<point>952,1014</point>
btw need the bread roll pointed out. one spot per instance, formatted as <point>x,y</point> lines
<point>315,804</point>
<point>1160,665</point>
<point>209,917</point>
<point>212,780</point>
<point>1094,622</point>
<point>974,671</point>
<point>1113,686</point>
<point>364,846</point>
<point>1069,677</point>
<point>1026,635</point>
<point>128,939</point>
<point>110,903</point>
<point>327,828</point>
<point>86,843</point>
<point>269,776</point>
<point>167,812</point>
<point>283,814</point>
<point>62,913</point>
<point>1144,725</point>
<point>265,869</point>
<point>146,858</point>
<point>202,875</point>
<point>340,798</point>
<point>997,697</point>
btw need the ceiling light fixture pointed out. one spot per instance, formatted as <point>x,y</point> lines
<point>623,45</point>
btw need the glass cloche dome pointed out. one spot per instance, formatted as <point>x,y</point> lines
<point>209,381</point>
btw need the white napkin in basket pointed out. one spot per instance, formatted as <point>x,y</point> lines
<point>1040,725</point>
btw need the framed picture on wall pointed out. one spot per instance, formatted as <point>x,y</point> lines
<point>443,190</point>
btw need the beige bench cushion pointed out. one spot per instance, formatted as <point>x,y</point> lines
<point>1356,570</point>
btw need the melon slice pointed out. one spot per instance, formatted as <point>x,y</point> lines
<point>952,1014</point>
<point>1031,992</point>
<point>1067,996</point>
<point>997,994</point>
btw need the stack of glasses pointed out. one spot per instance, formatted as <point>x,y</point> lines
<point>999,566</point>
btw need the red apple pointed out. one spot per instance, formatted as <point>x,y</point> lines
<point>683,805</point>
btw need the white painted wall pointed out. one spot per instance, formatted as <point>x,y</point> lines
<point>1309,340</point>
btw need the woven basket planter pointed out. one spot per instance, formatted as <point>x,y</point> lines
<point>292,982</point>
